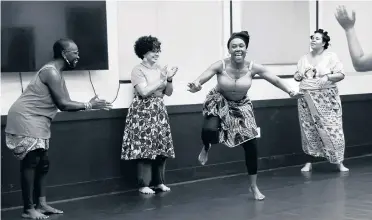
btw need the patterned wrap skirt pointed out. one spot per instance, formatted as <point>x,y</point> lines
<point>238,123</point>
<point>21,145</point>
<point>147,132</point>
<point>320,116</point>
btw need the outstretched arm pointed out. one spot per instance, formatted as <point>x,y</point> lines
<point>204,77</point>
<point>53,80</point>
<point>272,78</point>
<point>361,62</point>
<point>209,73</point>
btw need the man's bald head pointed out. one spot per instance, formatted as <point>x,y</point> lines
<point>61,45</point>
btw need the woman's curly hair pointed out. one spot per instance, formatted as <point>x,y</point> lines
<point>326,37</point>
<point>145,44</point>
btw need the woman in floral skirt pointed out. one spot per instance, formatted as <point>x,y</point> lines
<point>147,135</point>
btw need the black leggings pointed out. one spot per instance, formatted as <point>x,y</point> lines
<point>151,170</point>
<point>209,135</point>
<point>34,168</point>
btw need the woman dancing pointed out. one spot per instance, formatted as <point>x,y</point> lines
<point>320,110</point>
<point>227,110</point>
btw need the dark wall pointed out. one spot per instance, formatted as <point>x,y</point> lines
<point>85,148</point>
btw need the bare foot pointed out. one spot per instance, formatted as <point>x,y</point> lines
<point>342,168</point>
<point>203,156</point>
<point>163,188</point>
<point>256,193</point>
<point>307,167</point>
<point>146,190</point>
<point>47,209</point>
<point>33,214</point>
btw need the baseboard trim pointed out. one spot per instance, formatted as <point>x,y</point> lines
<point>75,191</point>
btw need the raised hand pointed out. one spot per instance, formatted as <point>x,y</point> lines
<point>194,87</point>
<point>172,72</point>
<point>344,19</point>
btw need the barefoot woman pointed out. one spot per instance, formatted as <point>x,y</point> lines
<point>28,125</point>
<point>320,110</point>
<point>228,112</point>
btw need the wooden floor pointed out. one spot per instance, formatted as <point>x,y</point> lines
<point>325,194</point>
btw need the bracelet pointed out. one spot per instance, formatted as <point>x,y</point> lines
<point>298,78</point>
<point>88,106</point>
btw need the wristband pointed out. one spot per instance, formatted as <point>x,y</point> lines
<point>88,106</point>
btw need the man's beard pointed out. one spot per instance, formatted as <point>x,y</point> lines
<point>69,65</point>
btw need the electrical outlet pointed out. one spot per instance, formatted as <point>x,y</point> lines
<point>259,132</point>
